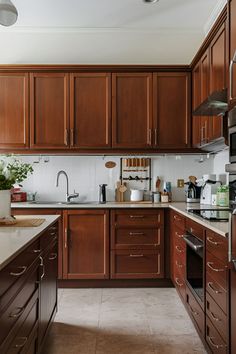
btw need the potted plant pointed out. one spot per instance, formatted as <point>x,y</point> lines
<point>12,171</point>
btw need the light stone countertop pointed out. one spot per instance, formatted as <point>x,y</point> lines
<point>13,239</point>
<point>221,228</point>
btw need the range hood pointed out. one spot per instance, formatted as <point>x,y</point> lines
<point>215,105</point>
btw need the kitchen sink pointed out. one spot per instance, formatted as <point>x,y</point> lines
<point>62,203</point>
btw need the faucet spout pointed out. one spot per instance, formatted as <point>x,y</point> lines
<point>68,196</point>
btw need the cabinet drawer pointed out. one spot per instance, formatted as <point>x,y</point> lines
<point>180,262</point>
<point>138,218</point>
<point>217,270</point>
<point>214,340</point>
<point>218,293</point>
<point>217,316</point>
<point>50,235</point>
<point>179,282</point>
<point>195,228</point>
<point>178,234</point>
<point>125,238</point>
<point>136,264</point>
<point>17,307</point>
<point>19,337</point>
<point>178,220</point>
<point>12,276</point>
<point>195,310</point>
<point>180,247</point>
<point>217,245</point>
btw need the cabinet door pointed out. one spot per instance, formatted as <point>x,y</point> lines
<point>131,110</point>
<point>232,31</point>
<point>48,289</point>
<point>14,117</point>
<point>49,112</point>
<point>171,110</point>
<point>196,100</point>
<point>86,244</point>
<point>205,122</point>
<point>90,107</point>
<point>218,74</point>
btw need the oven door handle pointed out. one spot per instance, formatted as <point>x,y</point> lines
<point>195,247</point>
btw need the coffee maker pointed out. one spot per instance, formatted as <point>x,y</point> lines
<point>193,193</point>
<point>209,188</point>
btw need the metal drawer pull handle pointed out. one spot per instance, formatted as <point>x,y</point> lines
<point>211,287</point>
<point>17,314</point>
<point>179,264</point>
<point>136,216</point>
<point>37,251</point>
<point>20,273</point>
<point>22,344</point>
<point>177,218</point>
<point>52,256</point>
<point>178,235</point>
<point>218,346</point>
<point>209,264</point>
<point>136,233</point>
<point>214,317</point>
<point>136,255</point>
<point>193,312</point>
<point>178,282</point>
<point>53,233</point>
<point>53,228</point>
<point>42,265</point>
<point>209,239</point>
<point>179,249</point>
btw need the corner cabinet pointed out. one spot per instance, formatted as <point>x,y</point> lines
<point>171,110</point>
<point>131,110</point>
<point>86,244</point>
<point>14,112</point>
<point>90,110</point>
<point>49,110</point>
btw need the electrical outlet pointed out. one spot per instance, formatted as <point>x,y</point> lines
<point>180,183</point>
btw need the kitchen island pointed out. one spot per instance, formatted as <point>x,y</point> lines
<point>28,277</point>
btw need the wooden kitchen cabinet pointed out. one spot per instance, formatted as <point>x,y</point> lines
<point>86,244</point>
<point>51,211</point>
<point>137,244</point>
<point>49,110</point>
<point>14,111</point>
<point>28,295</point>
<point>218,70</point>
<point>90,110</point>
<point>48,288</point>
<point>232,49</point>
<point>196,100</point>
<point>171,110</point>
<point>132,110</point>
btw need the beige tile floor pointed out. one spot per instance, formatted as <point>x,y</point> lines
<point>122,321</point>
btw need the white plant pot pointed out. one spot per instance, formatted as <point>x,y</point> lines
<point>5,203</point>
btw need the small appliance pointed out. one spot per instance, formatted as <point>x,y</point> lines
<point>193,193</point>
<point>209,188</point>
<point>102,193</point>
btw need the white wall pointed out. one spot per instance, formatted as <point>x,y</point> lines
<point>87,172</point>
<point>220,161</point>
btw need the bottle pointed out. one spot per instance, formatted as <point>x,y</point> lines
<point>223,196</point>
<point>102,193</point>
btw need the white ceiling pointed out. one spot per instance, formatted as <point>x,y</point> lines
<point>107,31</point>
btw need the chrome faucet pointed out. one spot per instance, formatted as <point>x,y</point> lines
<point>68,196</point>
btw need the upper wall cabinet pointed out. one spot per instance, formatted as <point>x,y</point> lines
<point>14,117</point>
<point>232,31</point>
<point>171,110</point>
<point>90,110</point>
<point>131,110</point>
<point>196,100</point>
<point>49,110</point>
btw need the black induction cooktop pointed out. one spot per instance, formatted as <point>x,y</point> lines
<point>211,214</point>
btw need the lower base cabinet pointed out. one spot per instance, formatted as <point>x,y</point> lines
<point>195,311</point>
<point>28,296</point>
<point>214,340</point>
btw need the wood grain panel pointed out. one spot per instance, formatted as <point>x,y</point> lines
<point>90,108</point>
<point>14,111</point>
<point>131,110</point>
<point>49,112</point>
<point>171,110</point>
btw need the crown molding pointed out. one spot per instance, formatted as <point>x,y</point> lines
<point>214,15</point>
<point>97,30</point>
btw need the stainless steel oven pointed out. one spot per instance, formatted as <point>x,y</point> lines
<point>194,264</point>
